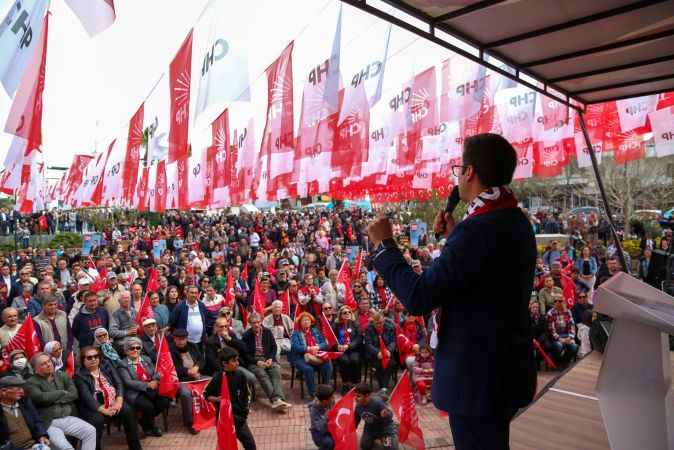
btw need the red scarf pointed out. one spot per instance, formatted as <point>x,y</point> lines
<point>140,372</point>
<point>491,200</point>
<point>383,298</point>
<point>309,336</point>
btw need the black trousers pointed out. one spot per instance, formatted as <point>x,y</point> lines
<point>128,418</point>
<point>243,433</point>
<point>150,405</point>
<point>481,432</point>
<point>349,367</point>
<point>382,375</point>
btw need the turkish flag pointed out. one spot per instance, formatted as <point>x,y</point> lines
<point>229,292</point>
<point>153,280</point>
<point>405,411</point>
<point>258,301</point>
<point>25,339</point>
<point>25,116</point>
<point>328,356</point>
<point>145,312</point>
<point>179,81</point>
<point>132,159</point>
<point>225,427</point>
<point>203,411</point>
<point>342,422</point>
<point>168,377</point>
<point>328,334</point>
<point>344,276</point>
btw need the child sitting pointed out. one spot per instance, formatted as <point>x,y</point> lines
<point>318,410</point>
<point>422,373</point>
<point>380,431</point>
<point>239,393</point>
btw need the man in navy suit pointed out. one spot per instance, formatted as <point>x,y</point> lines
<point>482,283</point>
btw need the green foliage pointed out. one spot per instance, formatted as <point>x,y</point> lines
<point>631,246</point>
<point>427,210</point>
<point>6,248</point>
<point>67,240</point>
<point>154,219</point>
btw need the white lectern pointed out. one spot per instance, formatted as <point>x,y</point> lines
<point>635,386</point>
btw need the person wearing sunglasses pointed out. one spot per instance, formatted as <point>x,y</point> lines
<point>141,384</point>
<point>561,332</point>
<point>101,397</point>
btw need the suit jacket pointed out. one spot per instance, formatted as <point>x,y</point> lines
<point>33,421</point>
<point>213,347</point>
<point>482,279</point>
<point>268,345</point>
<point>197,357</point>
<point>132,385</point>
<point>149,348</point>
<point>179,316</point>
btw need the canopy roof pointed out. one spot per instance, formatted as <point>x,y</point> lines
<point>585,51</point>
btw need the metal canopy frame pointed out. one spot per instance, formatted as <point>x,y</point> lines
<point>523,71</point>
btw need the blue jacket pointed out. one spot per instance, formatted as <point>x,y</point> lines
<point>484,361</point>
<point>298,344</point>
<point>179,317</point>
<point>593,265</point>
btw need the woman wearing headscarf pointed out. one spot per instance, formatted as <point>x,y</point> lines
<point>102,341</point>
<point>55,351</point>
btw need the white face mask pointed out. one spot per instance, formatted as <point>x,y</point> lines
<point>20,363</point>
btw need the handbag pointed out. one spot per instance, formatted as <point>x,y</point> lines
<point>312,359</point>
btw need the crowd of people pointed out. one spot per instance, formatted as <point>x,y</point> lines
<point>209,275</point>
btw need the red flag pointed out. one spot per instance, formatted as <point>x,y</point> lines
<point>160,188</point>
<point>141,191</point>
<point>98,285</point>
<point>25,339</point>
<point>70,364</point>
<point>132,159</point>
<point>180,70</point>
<point>353,139</point>
<point>342,422</point>
<point>355,274</point>
<point>229,292</point>
<point>385,355</point>
<point>25,117</point>
<point>405,411</point>
<point>344,277</point>
<point>546,357</point>
<point>328,356</point>
<point>183,190</point>
<point>327,331</point>
<point>145,312</point>
<point>285,298</point>
<point>203,411</point>
<point>550,158</point>
<point>218,159</point>
<point>225,426</point>
<point>168,377</point>
<point>244,272</point>
<point>278,141</point>
<point>258,301</point>
<point>153,280</point>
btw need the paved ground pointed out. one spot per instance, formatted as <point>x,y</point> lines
<point>290,431</point>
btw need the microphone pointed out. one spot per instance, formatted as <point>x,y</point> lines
<point>452,202</point>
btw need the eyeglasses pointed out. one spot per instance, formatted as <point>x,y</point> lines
<point>134,348</point>
<point>91,357</point>
<point>458,170</point>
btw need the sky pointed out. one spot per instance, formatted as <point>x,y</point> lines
<point>94,85</point>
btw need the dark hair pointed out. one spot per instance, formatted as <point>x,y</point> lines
<point>324,391</point>
<point>227,354</point>
<point>89,294</point>
<point>363,389</point>
<point>85,350</point>
<point>492,157</point>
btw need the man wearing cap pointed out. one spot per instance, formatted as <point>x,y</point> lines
<point>10,318</point>
<point>52,325</point>
<point>115,289</point>
<point>188,361</point>
<point>54,394</point>
<point>150,339</point>
<point>21,426</point>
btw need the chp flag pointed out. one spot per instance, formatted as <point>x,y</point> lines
<point>95,15</point>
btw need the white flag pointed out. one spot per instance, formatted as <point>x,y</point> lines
<point>95,15</point>
<point>221,63</point>
<point>196,177</point>
<point>633,112</point>
<point>662,123</point>
<point>156,121</point>
<point>172,185</point>
<point>112,180</point>
<point>20,32</point>
<point>515,108</point>
<point>583,152</point>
